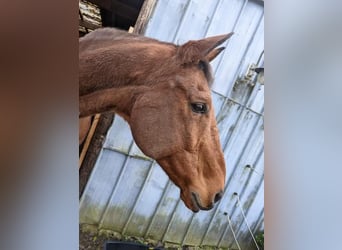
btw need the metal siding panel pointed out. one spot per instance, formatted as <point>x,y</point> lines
<point>250,199</point>
<point>125,192</point>
<point>136,152</point>
<point>218,101</point>
<point>226,17</point>
<point>241,135</point>
<point>164,213</point>
<point>198,227</point>
<point>178,224</point>
<point>120,141</point>
<point>148,201</point>
<point>198,13</point>
<point>227,120</point>
<point>257,104</point>
<point>100,185</point>
<point>252,215</point>
<point>166,19</point>
<point>216,227</point>
<point>229,66</point>
<point>254,49</point>
<point>225,21</point>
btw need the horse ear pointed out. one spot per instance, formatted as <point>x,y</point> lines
<point>194,51</point>
<point>214,53</point>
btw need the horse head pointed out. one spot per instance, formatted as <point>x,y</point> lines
<point>174,123</point>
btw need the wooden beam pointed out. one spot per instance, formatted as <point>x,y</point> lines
<point>88,25</point>
<point>97,140</point>
<point>144,15</point>
<point>88,139</point>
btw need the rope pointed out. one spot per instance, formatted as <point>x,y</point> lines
<point>244,217</point>
<point>231,228</point>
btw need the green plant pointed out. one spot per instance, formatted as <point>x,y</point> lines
<point>260,240</point>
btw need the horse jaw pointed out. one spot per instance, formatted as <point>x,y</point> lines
<point>199,175</point>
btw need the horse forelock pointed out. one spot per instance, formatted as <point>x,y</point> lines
<point>206,68</point>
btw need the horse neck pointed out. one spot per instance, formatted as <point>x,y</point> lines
<point>119,100</point>
<point>123,63</point>
<point>111,77</point>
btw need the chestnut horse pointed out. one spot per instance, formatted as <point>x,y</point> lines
<point>163,91</point>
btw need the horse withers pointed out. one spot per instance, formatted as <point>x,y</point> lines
<point>163,91</point>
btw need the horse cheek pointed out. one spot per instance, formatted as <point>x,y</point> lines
<point>146,131</point>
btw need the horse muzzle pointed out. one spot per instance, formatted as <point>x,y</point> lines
<point>195,203</point>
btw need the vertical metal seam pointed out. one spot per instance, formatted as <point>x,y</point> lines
<point>230,226</point>
<point>138,198</point>
<point>258,189</point>
<point>116,185</point>
<point>212,16</point>
<point>234,26</point>
<point>253,133</point>
<point>238,71</point>
<point>181,20</point>
<point>245,186</point>
<point>162,198</point>
<point>252,96</point>
<point>259,221</point>
<point>256,87</point>
<point>90,177</point>
<point>187,229</point>
<point>218,244</point>
<point>260,57</point>
<point>170,221</point>
<point>245,220</point>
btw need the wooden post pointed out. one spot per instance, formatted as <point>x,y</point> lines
<point>144,15</point>
<point>88,139</point>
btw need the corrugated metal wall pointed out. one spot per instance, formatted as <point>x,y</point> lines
<point>130,194</point>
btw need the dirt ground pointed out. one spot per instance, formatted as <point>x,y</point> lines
<point>94,240</point>
<point>91,239</point>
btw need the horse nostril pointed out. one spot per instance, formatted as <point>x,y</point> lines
<point>197,202</point>
<point>218,196</point>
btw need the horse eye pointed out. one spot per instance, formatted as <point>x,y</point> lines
<point>199,107</point>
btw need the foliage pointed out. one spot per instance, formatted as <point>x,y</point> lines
<point>260,240</point>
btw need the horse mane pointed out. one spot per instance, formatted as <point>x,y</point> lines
<point>104,37</point>
<point>103,42</point>
<point>206,68</point>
